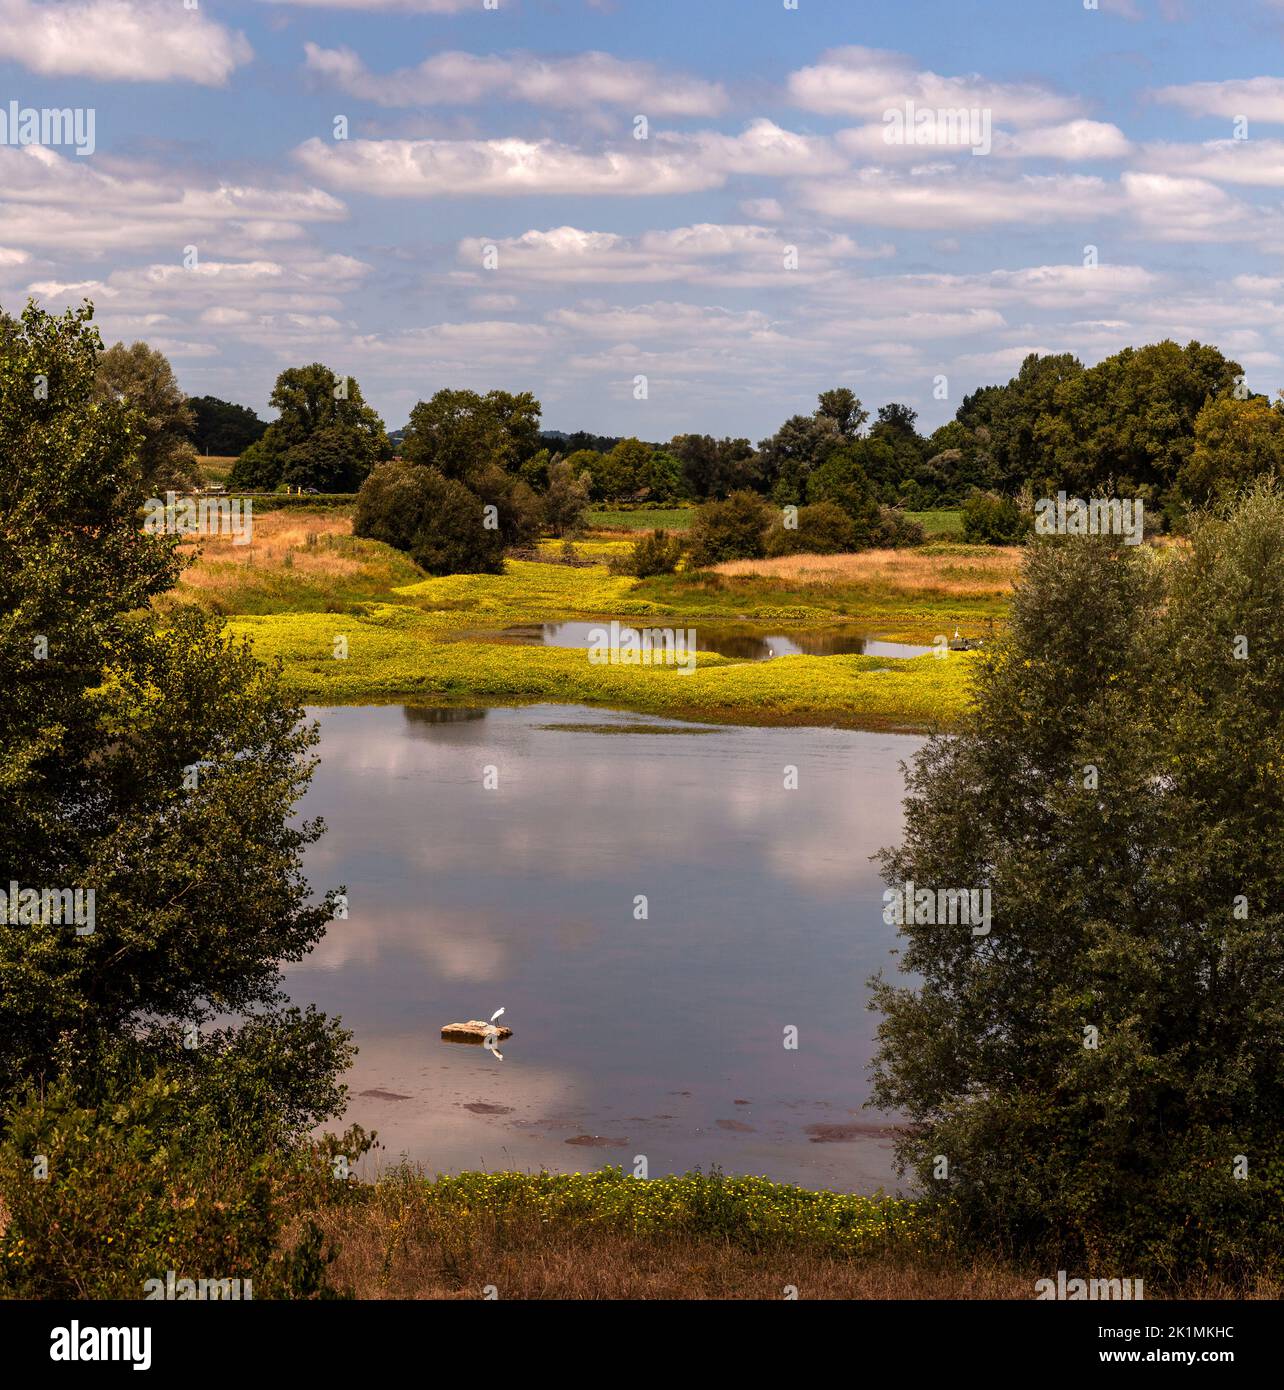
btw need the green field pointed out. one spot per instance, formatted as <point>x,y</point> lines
<point>641,519</point>
<point>945,523</point>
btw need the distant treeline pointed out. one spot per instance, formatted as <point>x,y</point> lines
<point>1174,425</point>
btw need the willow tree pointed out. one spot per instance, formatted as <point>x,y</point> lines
<point>1101,1076</point>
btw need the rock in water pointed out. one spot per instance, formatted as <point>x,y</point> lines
<point>475,1031</point>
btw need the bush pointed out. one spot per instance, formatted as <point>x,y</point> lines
<point>730,530</point>
<point>895,529</point>
<point>437,521</point>
<point>824,529</point>
<point>654,553</point>
<point>565,498</point>
<point>130,1190</point>
<point>989,519</point>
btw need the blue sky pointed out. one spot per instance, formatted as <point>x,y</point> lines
<point>491,219</point>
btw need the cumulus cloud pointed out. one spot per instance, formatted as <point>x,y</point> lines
<point>711,253</point>
<point>1254,162</point>
<point>578,81</point>
<point>120,41</point>
<point>668,163</point>
<point>857,81</point>
<point>51,200</point>
<point>1257,98</point>
<point>940,197</point>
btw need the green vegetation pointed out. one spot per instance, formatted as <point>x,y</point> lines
<point>1093,1066</point>
<point>640,519</point>
<point>938,523</point>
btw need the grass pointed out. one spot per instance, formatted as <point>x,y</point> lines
<point>306,582</point>
<point>215,468</point>
<point>608,1235</point>
<point>939,523</point>
<point>641,519</point>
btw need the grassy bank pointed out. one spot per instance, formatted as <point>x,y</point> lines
<point>353,620</point>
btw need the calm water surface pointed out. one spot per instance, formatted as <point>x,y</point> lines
<point>820,641</point>
<point>661,1036</point>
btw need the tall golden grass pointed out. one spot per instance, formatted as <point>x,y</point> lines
<point>987,573</point>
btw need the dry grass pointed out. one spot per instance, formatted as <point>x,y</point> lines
<point>987,573</point>
<point>396,1253</point>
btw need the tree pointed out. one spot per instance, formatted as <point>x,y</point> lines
<point>842,481</point>
<point>1091,1064</point>
<point>159,767</point>
<point>438,521</point>
<point>457,432</point>
<point>1236,442</point>
<point>309,400</point>
<point>822,529</point>
<point>626,467</point>
<point>221,428</point>
<point>566,498</point>
<point>142,378</point>
<point>788,457</point>
<point>715,467</point>
<point>842,407</point>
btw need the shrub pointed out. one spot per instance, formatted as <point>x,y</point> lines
<point>895,529</point>
<point>437,521</point>
<point>654,553</point>
<point>730,530</point>
<point>989,519</point>
<point>823,529</point>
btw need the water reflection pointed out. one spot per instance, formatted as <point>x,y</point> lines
<point>729,641</point>
<point>661,1024</point>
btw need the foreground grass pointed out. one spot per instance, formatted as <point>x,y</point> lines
<point>352,620</point>
<point>608,1235</point>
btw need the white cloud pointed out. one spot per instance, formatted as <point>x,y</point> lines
<point>52,200</point>
<point>699,323</point>
<point>866,82</point>
<point>1072,141</point>
<point>1257,98</point>
<point>1170,208</point>
<point>394,6</point>
<point>120,41</point>
<point>710,253</point>
<point>506,167</point>
<point>581,80</point>
<point>940,197</point>
<point>1254,162</point>
<point>668,163</point>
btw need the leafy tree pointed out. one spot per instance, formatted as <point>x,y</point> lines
<point>715,467</point>
<point>1091,1066</point>
<point>221,428</point>
<point>1236,442</point>
<point>311,400</point>
<point>142,378</point>
<point>989,519</point>
<point>566,499</point>
<point>439,522</point>
<point>730,530</point>
<point>158,766</point>
<point>842,481</point>
<point>842,407</point>
<point>789,456</point>
<point>458,432</point>
<point>653,553</point>
<point>627,467</point>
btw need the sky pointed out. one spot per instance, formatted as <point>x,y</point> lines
<point>659,216</point>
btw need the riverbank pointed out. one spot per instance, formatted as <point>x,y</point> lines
<point>352,620</point>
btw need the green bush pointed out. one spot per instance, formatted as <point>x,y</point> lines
<point>992,520</point>
<point>730,530</point>
<point>654,553</point>
<point>102,1198</point>
<point>822,529</point>
<point>437,521</point>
